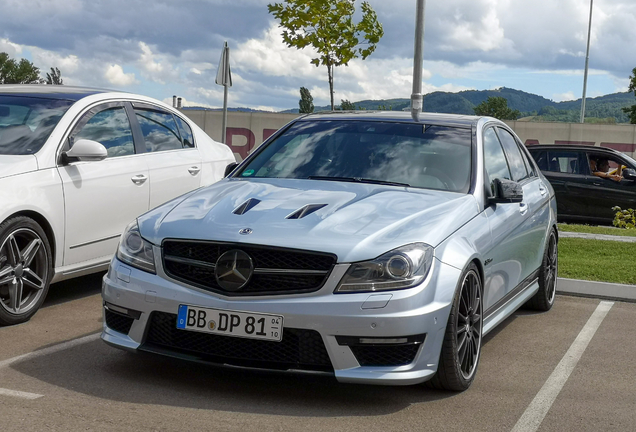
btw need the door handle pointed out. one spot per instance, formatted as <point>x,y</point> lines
<point>543,190</point>
<point>523,208</point>
<point>194,170</point>
<point>139,179</point>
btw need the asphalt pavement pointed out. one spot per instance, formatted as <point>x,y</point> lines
<point>571,368</point>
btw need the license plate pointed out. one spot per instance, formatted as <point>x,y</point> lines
<point>230,323</point>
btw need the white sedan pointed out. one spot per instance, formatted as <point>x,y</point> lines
<point>76,166</point>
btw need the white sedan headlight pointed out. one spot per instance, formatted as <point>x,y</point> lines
<point>134,250</point>
<point>404,267</point>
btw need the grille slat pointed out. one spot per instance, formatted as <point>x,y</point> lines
<point>193,262</point>
<point>299,348</point>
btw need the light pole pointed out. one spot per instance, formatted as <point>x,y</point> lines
<point>587,60</point>
<point>416,96</point>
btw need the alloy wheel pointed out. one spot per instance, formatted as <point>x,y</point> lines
<point>23,271</point>
<point>551,269</point>
<point>469,325</point>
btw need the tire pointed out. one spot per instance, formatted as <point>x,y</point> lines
<point>544,298</point>
<point>461,348</point>
<point>25,269</point>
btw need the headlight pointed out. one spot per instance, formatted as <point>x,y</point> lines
<point>404,267</point>
<point>134,250</point>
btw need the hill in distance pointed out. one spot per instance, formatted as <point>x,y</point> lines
<point>606,107</point>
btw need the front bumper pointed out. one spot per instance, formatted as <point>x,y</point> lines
<point>419,313</point>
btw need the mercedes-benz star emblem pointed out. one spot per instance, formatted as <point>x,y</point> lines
<point>245,231</point>
<point>233,270</point>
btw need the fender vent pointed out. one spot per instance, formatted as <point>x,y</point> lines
<point>246,206</point>
<point>304,211</point>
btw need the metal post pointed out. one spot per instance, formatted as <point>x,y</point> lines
<point>416,96</point>
<point>587,60</point>
<point>224,127</point>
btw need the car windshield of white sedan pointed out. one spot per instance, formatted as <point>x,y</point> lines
<point>400,154</point>
<point>27,122</point>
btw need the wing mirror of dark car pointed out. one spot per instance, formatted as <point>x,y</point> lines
<point>87,151</point>
<point>506,191</point>
<point>629,174</point>
<point>230,168</point>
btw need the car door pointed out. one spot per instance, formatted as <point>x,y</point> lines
<point>517,229</point>
<point>174,162</point>
<point>102,197</point>
<point>606,193</point>
<point>536,196</point>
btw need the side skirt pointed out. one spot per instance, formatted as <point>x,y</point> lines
<point>511,302</point>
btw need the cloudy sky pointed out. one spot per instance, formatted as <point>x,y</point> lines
<point>165,47</point>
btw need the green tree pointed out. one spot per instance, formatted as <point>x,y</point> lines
<point>631,111</point>
<point>22,72</point>
<point>306,102</point>
<point>55,77</point>
<point>328,27</point>
<point>497,107</point>
<point>347,105</point>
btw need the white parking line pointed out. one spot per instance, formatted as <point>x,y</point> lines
<point>540,405</point>
<point>50,350</point>
<point>23,395</point>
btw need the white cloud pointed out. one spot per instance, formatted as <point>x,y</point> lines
<point>270,56</point>
<point>562,97</point>
<point>116,76</point>
<point>10,48</point>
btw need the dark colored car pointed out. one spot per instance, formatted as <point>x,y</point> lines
<point>581,195</point>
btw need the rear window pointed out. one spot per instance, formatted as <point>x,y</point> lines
<point>27,122</point>
<point>422,156</point>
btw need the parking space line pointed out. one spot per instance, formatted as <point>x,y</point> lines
<point>50,350</point>
<point>23,395</point>
<point>540,405</point>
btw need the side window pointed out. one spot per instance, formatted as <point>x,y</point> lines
<point>541,158</point>
<point>185,132</point>
<point>517,165</point>
<point>494,158</point>
<point>159,130</point>
<point>567,162</point>
<point>110,127</point>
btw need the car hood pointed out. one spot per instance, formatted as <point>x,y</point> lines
<point>12,165</point>
<point>357,222</point>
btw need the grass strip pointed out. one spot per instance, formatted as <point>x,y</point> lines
<point>597,230</point>
<point>597,260</point>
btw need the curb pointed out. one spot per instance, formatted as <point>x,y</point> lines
<point>601,290</point>
<point>566,234</point>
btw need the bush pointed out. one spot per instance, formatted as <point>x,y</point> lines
<point>624,218</point>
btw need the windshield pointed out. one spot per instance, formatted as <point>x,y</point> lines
<point>407,154</point>
<point>27,122</point>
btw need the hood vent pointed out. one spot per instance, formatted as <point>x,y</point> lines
<point>304,211</point>
<point>246,206</point>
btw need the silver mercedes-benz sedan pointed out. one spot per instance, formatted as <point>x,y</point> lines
<point>366,245</point>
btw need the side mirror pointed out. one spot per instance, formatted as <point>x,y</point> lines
<point>230,168</point>
<point>87,150</point>
<point>506,191</point>
<point>629,174</point>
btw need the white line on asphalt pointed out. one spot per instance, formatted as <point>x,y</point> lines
<point>23,395</point>
<point>50,350</point>
<point>540,405</point>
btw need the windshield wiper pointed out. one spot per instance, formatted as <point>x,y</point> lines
<point>359,180</point>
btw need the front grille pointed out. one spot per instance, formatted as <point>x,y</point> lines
<point>276,270</point>
<point>299,349</point>
<point>119,323</point>
<point>389,355</point>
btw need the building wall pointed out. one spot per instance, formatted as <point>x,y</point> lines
<point>245,131</point>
